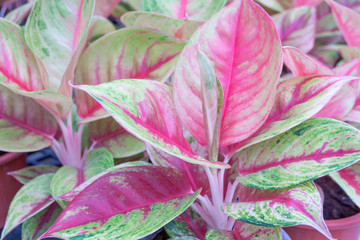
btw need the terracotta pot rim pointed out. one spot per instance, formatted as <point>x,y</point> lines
<point>7,157</point>
<point>339,224</point>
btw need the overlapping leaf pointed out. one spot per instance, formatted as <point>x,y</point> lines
<point>244,230</point>
<point>28,201</point>
<point>155,196</point>
<point>24,124</point>
<point>145,108</point>
<point>27,174</point>
<point>19,14</point>
<point>99,27</point>
<point>310,150</point>
<point>176,28</point>
<point>193,9</point>
<point>104,7</point>
<point>247,73</point>
<point>127,53</point>
<point>300,205</point>
<point>56,32</point>
<point>297,27</point>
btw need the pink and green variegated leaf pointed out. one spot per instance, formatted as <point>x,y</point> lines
<point>56,32</point>
<point>145,108</point>
<point>326,55</point>
<point>215,234</point>
<point>36,226</point>
<point>68,177</point>
<point>29,173</point>
<point>297,100</point>
<point>69,196</point>
<point>297,27</point>
<point>347,20</point>
<point>24,124</point>
<point>349,180</point>
<point>18,65</point>
<point>301,65</point>
<point>137,200</point>
<point>350,53</point>
<point>248,74</point>
<point>188,224</point>
<point>312,3</point>
<point>200,10</point>
<point>351,68</point>
<point>109,134</point>
<point>312,149</point>
<point>19,14</point>
<point>244,230</point>
<point>300,205</point>
<point>353,115</point>
<point>126,53</point>
<point>340,105</point>
<point>176,28</point>
<point>99,27</point>
<point>105,7</point>
<point>276,5</point>
<point>28,201</point>
<point>195,173</point>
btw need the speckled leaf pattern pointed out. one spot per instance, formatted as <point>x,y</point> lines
<point>297,100</point>
<point>297,27</point>
<point>28,201</point>
<point>109,134</point>
<point>349,180</point>
<point>27,174</point>
<point>176,28</point>
<point>248,74</point>
<point>24,124</point>
<point>126,53</point>
<point>310,150</point>
<point>193,9</point>
<point>18,15</point>
<point>246,231</point>
<point>68,177</point>
<point>215,234</point>
<point>300,205</point>
<point>156,196</point>
<point>145,108</point>
<point>347,20</point>
<point>56,31</point>
<point>18,65</point>
<point>36,226</point>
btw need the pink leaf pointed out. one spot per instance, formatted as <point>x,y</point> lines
<point>105,7</point>
<point>348,21</point>
<point>312,3</point>
<point>247,73</point>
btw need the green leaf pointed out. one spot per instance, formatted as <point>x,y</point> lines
<point>244,230</point>
<point>29,173</point>
<point>312,149</point>
<point>99,27</point>
<point>28,201</point>
<point>18,15</point>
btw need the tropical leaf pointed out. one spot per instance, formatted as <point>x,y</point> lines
<point>276,5</point>
<point>99,27</point>
<point>29,173</point>
<point>126,53</point>
<point>176,28</point>
<point>248,74</point>
<point>109,134</point>
<point>145,108</point>
<point>32,198</point>
<point>300,205</point>
<point>19,14</point>
<point>36,226</point>
<point>244,230</point>
<point>215,234</point>
<point>56,32</point>
<point>297,27</point>
<point>349,180</point>
<point>350,53</point>
<point>189,9</point>
<point>105,7</point>
<point>310,150</point>
<point>155,196</point>
<point>24,124</point>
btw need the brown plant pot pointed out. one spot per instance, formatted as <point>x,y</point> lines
<point>8,185</point>
<point>341,229</point>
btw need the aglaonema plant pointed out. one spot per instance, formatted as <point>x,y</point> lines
<point>38,109</point>
<point>233,149</point>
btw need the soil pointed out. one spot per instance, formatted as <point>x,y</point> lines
<point>336,204</point>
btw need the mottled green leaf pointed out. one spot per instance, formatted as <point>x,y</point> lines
<point>244,230</point>
<point>27,174</point>
<point>28,201</point>
<point>300,205</point>
<point>306,152</point>
<point>215,234</point>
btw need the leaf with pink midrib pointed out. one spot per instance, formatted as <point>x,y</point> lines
<point>119,192</point>
<point>310,150</point>
<point>248,91</point>
<point>347,20</point>
<point>300,205</point>
<point>128,53</point>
